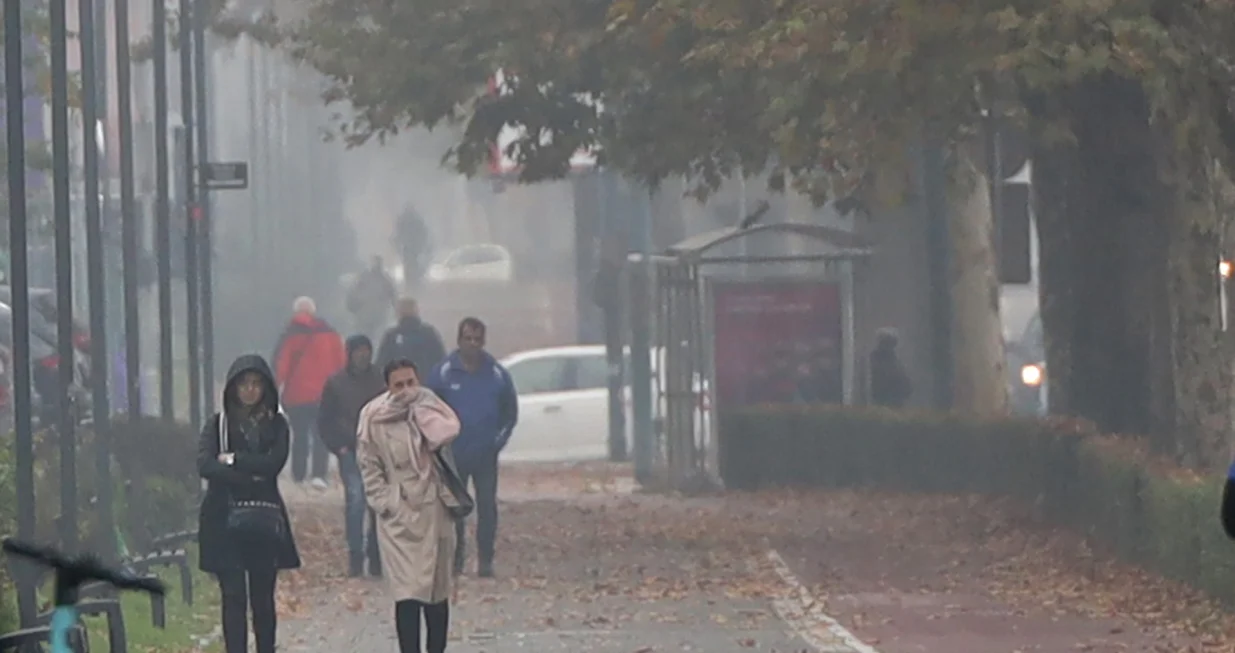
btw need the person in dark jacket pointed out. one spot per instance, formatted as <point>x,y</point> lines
<point>240,454</point>
<point>308,353</point>
<point>411,339</point>
<point>337,421</point>
<point>483,395</point>
<point>889,383</point>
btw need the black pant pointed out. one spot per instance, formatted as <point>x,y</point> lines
<point>407,625</point>
<point>483,476</point>
<point>303,421</point>
<point>241,591</point>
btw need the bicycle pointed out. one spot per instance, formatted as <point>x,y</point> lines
<point>70,574</point>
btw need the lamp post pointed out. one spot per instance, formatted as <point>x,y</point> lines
<point>162,217</point>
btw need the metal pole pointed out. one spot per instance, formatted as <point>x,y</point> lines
<point>65,418</point>
<point>100,404</point>
<point>192,315</point>
<point>641,344</point>
<point>205,248</point>
<point>128,213</point>
<point>162,213</point>
<point>608,274</point>
<point>23,442</point>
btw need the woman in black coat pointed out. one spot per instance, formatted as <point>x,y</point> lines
<point>241,462</point>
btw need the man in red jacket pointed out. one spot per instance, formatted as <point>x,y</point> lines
<point>308,353</point>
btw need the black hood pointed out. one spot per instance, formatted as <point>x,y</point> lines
<point>254,363</point>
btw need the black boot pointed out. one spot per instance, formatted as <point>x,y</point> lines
<point>355,566</point>
<point>375,566</point>
<point>485,569</point>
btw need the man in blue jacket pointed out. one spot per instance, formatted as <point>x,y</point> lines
<point>483,395</point>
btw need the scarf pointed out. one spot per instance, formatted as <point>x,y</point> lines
<point>432,423</point>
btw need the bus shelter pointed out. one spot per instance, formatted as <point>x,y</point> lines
<point>734,317</point>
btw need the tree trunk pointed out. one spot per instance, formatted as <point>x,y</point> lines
<point>1101,212</point>
<point>1203,405</point>
<point>979,378</point>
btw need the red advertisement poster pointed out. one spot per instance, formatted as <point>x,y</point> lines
<point>777,342</point>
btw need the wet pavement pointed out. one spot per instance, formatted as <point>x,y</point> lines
<point>587,566</point>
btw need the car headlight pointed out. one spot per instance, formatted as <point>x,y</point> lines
<point>1031,375</point>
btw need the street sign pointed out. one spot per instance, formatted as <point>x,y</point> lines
<point>231,175</point>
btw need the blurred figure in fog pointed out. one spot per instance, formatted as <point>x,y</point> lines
<point>346,393</point>
<point>308,353</point>
<point>414,245</point>
<point>819,379</point>
<point>889,383</point>
<point>412,338</point>
<point>483,395</point>
<point>370,299</point>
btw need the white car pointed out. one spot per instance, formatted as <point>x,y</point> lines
<point>482,262</point>
<point>564,403</point>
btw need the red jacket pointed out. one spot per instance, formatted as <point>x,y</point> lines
<point>307,354</point>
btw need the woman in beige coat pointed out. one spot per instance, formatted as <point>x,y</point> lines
<point>398,434</point>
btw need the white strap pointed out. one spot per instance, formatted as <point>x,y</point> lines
<point>222,433</point>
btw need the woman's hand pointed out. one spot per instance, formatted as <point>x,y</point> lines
<point>227,458</point>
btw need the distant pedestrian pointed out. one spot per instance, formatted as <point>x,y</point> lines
<point>244,533</point>
<point>415,246</point>
<point>889,383</point>
<point>401,433</point>
<point>309,351</point>
<point>346,393</point>
<point>483,395</point>
<point>412,338</point>
<point>371,298</point>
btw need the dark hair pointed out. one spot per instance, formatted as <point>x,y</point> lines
<point>473,323</point>
<point>398,364</point>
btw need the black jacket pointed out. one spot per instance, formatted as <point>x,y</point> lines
<point>254,476</point>
<point>345,394</point>
<point>415,340</point>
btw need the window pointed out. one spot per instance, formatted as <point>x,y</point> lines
<point>591,372</point>
<point>539,375</point>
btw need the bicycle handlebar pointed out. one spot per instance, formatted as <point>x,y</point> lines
<point>73,572</point>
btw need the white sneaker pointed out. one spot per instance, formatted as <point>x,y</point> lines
<point>320,484</point>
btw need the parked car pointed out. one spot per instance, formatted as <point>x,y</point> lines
<point>44,367</point>
<point>481,262</point>
<point>44,315</point>
<point>1026,362</point>
<point>564,403</point>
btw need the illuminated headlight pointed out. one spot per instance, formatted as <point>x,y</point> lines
<point>1031,375</point>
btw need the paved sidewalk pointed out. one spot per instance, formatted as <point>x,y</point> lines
<point>585,566</point>
<point>579,573</point>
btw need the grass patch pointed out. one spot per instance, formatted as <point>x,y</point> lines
<point>185,623</point>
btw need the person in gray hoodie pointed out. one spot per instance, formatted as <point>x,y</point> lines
<point>345,394</point>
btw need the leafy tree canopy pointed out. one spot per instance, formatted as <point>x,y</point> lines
<point>823,93</point>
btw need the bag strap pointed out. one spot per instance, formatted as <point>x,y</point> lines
<point>223,441</point>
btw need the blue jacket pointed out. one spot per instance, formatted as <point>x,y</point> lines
<point>484,400</point>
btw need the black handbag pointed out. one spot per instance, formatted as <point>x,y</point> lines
<point>453,493</point>
<point>256,521</point>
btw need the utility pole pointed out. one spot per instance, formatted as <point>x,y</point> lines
<point>23,441</point>
<point>128,213</point>
<point>162,212</point>
<point>100,403</point>
<point>66,420</point>
<point>191,248</point>
<point>205,247</point>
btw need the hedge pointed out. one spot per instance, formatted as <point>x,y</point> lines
<point>1142,508</point>
<point>156,487</point>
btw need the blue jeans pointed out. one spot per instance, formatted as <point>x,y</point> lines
<point>354,510</point>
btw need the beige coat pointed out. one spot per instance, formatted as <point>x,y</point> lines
<point>415,533</point>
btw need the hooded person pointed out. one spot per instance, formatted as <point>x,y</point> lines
<point>338,418</point>
<point>402,432</point>
<point>244,531</point>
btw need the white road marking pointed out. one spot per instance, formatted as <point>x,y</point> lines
<point>802,612</point>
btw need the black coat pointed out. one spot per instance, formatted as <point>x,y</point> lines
<point>254,476</point>
<point>415,340</point>
<point>346,392</point>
